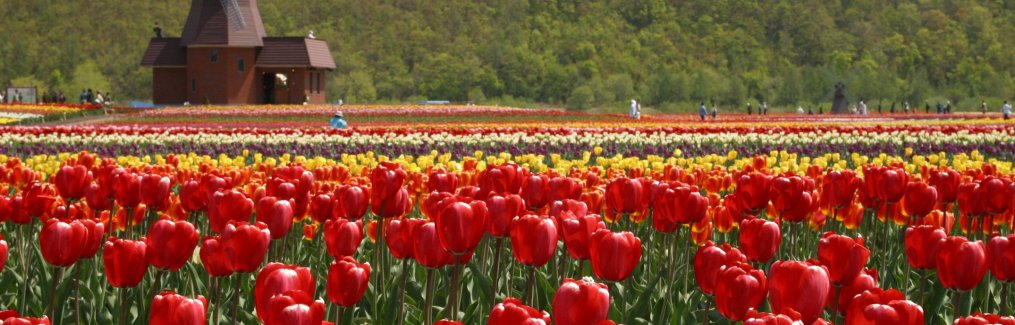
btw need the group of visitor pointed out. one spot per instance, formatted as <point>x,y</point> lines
<point>96,98</point>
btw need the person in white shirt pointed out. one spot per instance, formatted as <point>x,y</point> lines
<point>634,109</point>
<point>863,107</point>
<point>1006,110</point>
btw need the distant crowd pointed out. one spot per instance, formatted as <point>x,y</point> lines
<point>860,108</point>
<point>57,97</point>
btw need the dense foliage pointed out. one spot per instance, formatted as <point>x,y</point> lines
<point>583,53</point>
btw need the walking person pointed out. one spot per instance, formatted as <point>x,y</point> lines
<point>983,107</point>
<point>748,108</point>
<point>702,111</point>
<point>1006,110</point>
<point>715,111</point>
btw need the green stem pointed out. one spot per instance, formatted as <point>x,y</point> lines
<point>455,283</point>
<point>77,293</point>
<point>124,305</point>
<point>214,296</point>
<point>236,297</point>
<point>530,285</point>
<point>428,302</point>
<point>401,292</point>
<point>379,256</point>
<point>338,315</point>
<point>498,247</point>
<point>1004,298</point>
<point>57,274</point>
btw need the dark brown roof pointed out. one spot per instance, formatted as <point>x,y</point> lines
<point>208,24</point>
<point>164,52</point>
<point>295,52</point>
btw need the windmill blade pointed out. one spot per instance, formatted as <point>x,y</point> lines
<point>232,9</point>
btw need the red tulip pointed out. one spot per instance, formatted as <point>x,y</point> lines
<point>614,255</point>
<point>891,184</point>
<point>512,311</point>
<point>985,319</point>
<point>754,317</point>
<point>72,181</point>
<point>838,188</point>
<point>39,200</point>
<point>922,244</point>
<point>276,279</point>
<point>844,257</point>
<point>461,225</point>
<point>4,250</point>
<point>441,180</point>
<point>398,236</point>
<point>342,237</point>
<point>96,237</point>
<point>961,264</point>
<point>245,245</point>
<point>581,302</point>
<point>386,180</point>
<point>792,197</point>
<point>1000,253</point>
<point>920,199</point>
<point>322,207</point>
<point>709,259</point>
<point>577,232</point>
<point>432,203</point>
<point>10,317</point>
<point>63,243</point>
<point>564,188</point>
<point>502,210</point>
<point>228,205</point>
<point>171,244</point>
<point>214,258</point>
<point>946,182</point>
<point>397,205</point>
<point>169,308</point>
<point>125,261</point>
<point>574,207</point>
<point>350,202</point>
<point>535,191</point>
<point>448,322</point>
<point>294,308</point>
<point>800,287</point>
<point>753,191</point>
<point>428,250</point>
<point>970,198</point>
<point>994,193</point>
<point>738,289</point>
<point>191,197</point>
<point>277,214</point>
<point>533,239</point>
<point>347,281</point>
<point>880,307</point>
<point>759,239</point>
<point>502,179</point>
<point>155,190</point>
<point>866,280</point>
<point>625,195</point>
<point>127,189</point>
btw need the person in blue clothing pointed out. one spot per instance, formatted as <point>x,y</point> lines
<point>338,122</point>
<point>702,111</point>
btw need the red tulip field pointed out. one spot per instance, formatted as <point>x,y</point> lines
<point>794,220</point>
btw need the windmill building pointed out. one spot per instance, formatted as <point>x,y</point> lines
<point>224,57</point>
